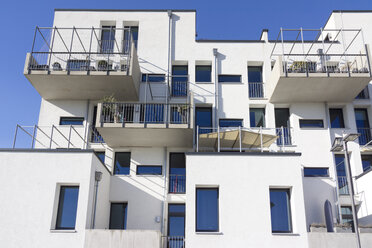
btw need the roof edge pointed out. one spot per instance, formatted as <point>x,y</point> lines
<point>128,10</point>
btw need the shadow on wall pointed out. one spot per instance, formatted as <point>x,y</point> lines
<point>316,192</point>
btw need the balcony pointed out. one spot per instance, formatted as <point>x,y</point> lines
<point>320,70</point>
<point>177,184</point>
<point>82,63</point>
<point>146,124</point>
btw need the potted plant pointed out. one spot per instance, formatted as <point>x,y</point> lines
<point>316,227</point>
<point>102,65</point>
<point>109,109</point>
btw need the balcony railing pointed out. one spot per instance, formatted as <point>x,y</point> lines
<point>173,242</point>
<point>147,113</point>
<point>343,187</point>
<point>80,49</point>
<point>256,90</point>
<point>177,184</point>
<point>364,94</point>
<point>284,136</point>
<point>365,137</point>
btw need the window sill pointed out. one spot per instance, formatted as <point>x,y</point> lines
<point>150,175</point>
<point>204,82</point>
<point>121,175</point>
<point>63,231</point>
<point>209,233</point>
<point>285,234</point>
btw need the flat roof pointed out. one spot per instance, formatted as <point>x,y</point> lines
<point>129,10</point>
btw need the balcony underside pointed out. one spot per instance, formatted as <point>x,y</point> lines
<point>338,87</point>
<point>177,135</point>
<point>79,85</point>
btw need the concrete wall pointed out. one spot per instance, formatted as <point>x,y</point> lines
<point>339,240</point>
<point>364,192</point>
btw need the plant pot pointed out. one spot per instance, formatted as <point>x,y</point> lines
<point>318,229</point>
<point>342,229</point>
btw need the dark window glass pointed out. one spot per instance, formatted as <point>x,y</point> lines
<point>280,211</point>
<point>176,224</point>
<point>203,119</point>
<point>343,188</point>
<point>229,78</point>
<point>67,207</point>
<point>153,113</point>
<point>207,210</point>
<point>203,73</point>
<point>101,156</point>
<point>337,118</point>
<point>153,78</point>
<point>316,172</point>
<point>364,94</point>
<point>311,123</point>
<point>231,122</point>
<point>107,39</point>
<point>367,162</point>
<point>255,74</point>
<point>122,163</point>
<point>77,65</point>
<point>257,117</point>
<point>347,216</point>
<point>179,80</point>
<point>177,173</point>
<point>71,121</point>
<point>149,170</point>
<point>362,123</point>
<point>118,216</point>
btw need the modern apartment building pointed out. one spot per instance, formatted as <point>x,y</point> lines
<point>149,137</point>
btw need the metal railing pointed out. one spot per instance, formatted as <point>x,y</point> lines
<point>364,94</point>
<point>365,137</point>
<point>343,187</point>
<point>159,113</point>
<point>80,49</point>
<point>173,242</point>
<point>162,86</point>
<point>256,90</point>
<point>283,139</point>
<point>55,137</point>
<point>177,183</point>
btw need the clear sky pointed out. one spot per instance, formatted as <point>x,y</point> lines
<point>216,19</point>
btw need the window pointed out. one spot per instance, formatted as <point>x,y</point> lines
<point>343,188</point>
<point>179,80</point>
<point>177,173</point>
<point>347,216</point>
<point>316,172</point>
<point>280,211</point>
<point>149,170</point>
<point>229,78</point>
<point>122,163</point>
<point>207,210</point>
<point>255,74</point>
<point>67,207</point>
<point>257,117</point>
<point>71,121</point>
<point>118,216</point>
<point>152,113</point>
<point>367,162</point>
<point>101,156</point>
<point>362,123</point>
<point>153,78</point>
<point>337,118</point>
<point>107,39</point>
<point>306,123</point>
<point>203,73</point>
<point>231,122</point>
<point>176,222</point>
<point>133,30</point>
<point>203,119</point>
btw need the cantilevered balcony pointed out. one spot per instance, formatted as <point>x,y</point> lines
<point>83,63</point>
<point>334,67</point>
<point>146,124</point>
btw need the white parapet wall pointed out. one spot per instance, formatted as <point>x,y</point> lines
<point>339,240</point>
<point>122,238</point>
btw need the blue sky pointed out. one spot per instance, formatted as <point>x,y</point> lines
<point>243,19</point>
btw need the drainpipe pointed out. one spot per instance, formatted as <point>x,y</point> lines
<point>215,54</point>
<point>97,177</point>
<point>169,62</point>
<point>164,193</point>
<point>86,130</point>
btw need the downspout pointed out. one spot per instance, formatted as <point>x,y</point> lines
<point>215,54</point>
<point>169,62</point>
<point>97,178</point>
<point>165,192</point>
<point>86,130</point>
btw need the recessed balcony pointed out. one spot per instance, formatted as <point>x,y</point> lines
<point>319,70</point>
<point>145,124</point>
<point>83,63</point>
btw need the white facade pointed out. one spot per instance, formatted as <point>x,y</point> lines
<point>243,177</point>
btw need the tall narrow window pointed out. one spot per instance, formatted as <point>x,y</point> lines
<point>367,162</point>
<point>67,207</point>
<point>177,173</point>
<point>255,82</point>
<point>203,73</point>
<point>203,119</point>
<point>179,80</point>
<point>107,39</point>
<point>130,32</point>
<point>343,188</point>
<point>257,117</point>
<point>337,118</point>
<point>207,210</point>
<point>363,127</point>
<point>280,211</point>
<point>122,163</point>
<point>118,216</point>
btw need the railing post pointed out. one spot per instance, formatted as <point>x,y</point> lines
<point>51,48</point>
<point>15,136</point>
<point>33,137</point>
<point>69,137</point>
<point>218,139</point>
<point>282,130</point>
<point>261,139</point>
<point>197,138</point>
<point>240,139</point>
<point>69,53</point>
<point>90,50</point>
<point>51,137</point>
<point>368,58</point>
<point>285,63</point>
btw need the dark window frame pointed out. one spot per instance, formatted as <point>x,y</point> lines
<point>264,117</point>
<point>218,209</point>
<point>230,119</point>
<point>71,118</point>
<point>301,123</point>
<point>220,76</point>
<point>151,76</point>
<point>59,207</point>
<point>150,166</point>
<point>125,216</point>
<point>332,113</point>
<point>115,157</point>
<point>176,214</point>
<point>290,222</point>
<point>316,175</point>
<point>258,66</point>
<point>196,74</point>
